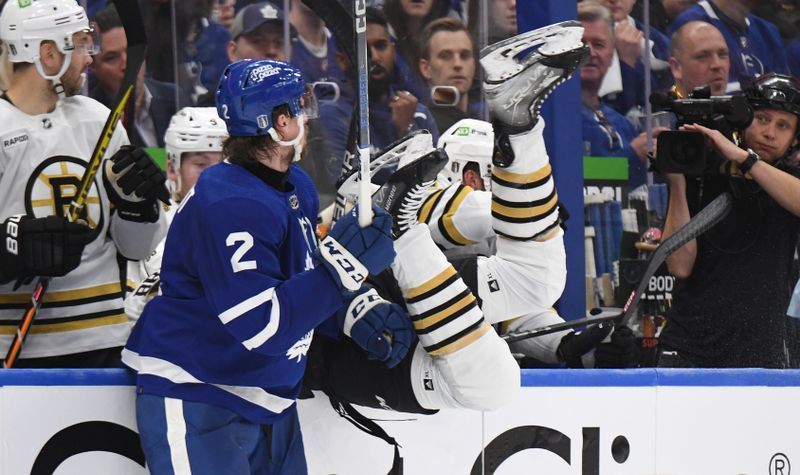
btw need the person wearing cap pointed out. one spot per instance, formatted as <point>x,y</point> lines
<point>257,33</point>
<point>733,283</point>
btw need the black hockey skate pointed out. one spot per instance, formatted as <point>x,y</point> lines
<point>522,71</point>
<point>405,191</point>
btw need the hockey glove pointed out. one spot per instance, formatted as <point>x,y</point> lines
<point>621,352</point>
<point>48,247</point>
<point>351,252</point>
<point>574,345</point>
<point>380,327</point>
<point>134,182</point>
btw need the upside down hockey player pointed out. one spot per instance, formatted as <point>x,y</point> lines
<point>220,354</point>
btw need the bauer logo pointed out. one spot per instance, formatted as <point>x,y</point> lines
<point>263,72</point>
<point>15,140</point>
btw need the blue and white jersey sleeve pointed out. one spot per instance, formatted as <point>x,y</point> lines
<point>258,274</point>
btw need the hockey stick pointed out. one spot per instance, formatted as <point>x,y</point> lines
<point>709,216</point>
<point>340,23</point>
<point>365,193</point>
<point>559,327</point>
<point>137,44</point>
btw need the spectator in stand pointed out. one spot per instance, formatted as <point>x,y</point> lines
<point>223,12</point>
<point>256,33</point>
<point>313,48</point>
<point>606,133</point>
<point>623,86</point>
<point>673,8</point>
<point>392,112</point>
<point>154,102</point>
<point>699,57</point>
<point>755,45</point>
<point>447,59</point>
<point>501,16</point>
<point>407,19</point>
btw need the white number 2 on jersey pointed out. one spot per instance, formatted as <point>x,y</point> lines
<point>247,242</point>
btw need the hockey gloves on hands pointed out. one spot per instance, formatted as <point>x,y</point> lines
<point>621,352</point>
<point>574,345</point>
<point>48,247</point>
<point>380,327</point>
<point>351,252</point>
<point>134,182</point>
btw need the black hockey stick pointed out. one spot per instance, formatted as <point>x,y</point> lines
<point>133,25</point>
<point>709,216</point>
<point>341,22</point>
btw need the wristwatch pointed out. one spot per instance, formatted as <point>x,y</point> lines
<point>747,164</point>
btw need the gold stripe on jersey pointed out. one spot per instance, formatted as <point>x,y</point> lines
<point>523,211</point>
<point>99,292</point>
<point>75,323</point>
<point>429,205</point>
<point>431,284</point>
<point>464,338</point>
<point>442,314</point>
<point>522,178</point>
<point>446,225</point>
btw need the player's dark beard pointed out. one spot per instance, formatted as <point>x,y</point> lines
<point>378,88</point>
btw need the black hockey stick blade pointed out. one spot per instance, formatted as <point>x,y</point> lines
<point>608,315</point>
<point>709,216</point>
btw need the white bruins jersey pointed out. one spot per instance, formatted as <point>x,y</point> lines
<point>42,160</point>
<point>459,220</point>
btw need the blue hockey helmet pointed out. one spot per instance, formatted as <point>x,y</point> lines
<point>249,90</point>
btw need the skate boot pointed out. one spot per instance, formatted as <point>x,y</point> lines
<point>397,155</point>
<point>523,70</point>
<point>406,190</point>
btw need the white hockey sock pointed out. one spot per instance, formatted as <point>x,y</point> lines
<point>481,376</point>
<point>524,198</point>
<point>443,311</point>
<point>457,216</point>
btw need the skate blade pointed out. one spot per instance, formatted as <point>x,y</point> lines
<point>509,57</point>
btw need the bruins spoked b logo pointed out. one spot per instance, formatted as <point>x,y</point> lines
<point>54,184</point>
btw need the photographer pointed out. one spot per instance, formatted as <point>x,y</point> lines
<point>733,282</point>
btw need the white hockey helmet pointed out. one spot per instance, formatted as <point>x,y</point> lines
<point>24,24</point>
<point>468,140</point>
<point>192,129</point>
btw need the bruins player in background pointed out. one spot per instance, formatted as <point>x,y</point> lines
<point>48,133</point>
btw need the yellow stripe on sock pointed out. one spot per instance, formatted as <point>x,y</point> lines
<point>64,295</point>
<point>522,178</point>
<point>42,327</point>
<point>439,316</point>
<point>427,207</point>
<point>430,284</point>
<point>526,213</point>
<point>462,342</point>
<point>447,219</point>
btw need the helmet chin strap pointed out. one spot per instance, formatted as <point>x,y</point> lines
<point>58,88</point>
<point>295,142</point>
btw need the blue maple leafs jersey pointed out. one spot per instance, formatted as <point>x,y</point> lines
<point>240,296</point>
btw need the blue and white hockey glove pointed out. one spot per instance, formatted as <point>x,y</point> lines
<point>351,252</point>
<point>133,182</point>
<point>378,326</point>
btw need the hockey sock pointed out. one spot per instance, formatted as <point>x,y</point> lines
<point>443,311</point>
<point>457,216</point>
<point>524,198</point>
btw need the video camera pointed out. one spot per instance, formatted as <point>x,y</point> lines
<point>686,152</point>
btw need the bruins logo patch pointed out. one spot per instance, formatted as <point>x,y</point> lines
<point>54,184</point>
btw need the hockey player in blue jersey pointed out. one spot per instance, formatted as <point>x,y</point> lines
<point>221,353</point>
